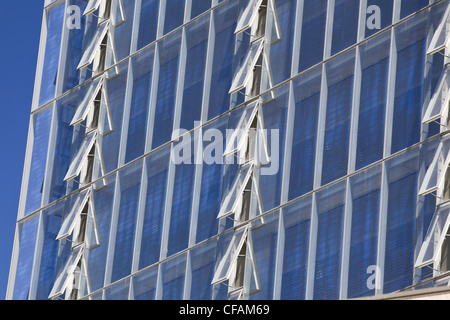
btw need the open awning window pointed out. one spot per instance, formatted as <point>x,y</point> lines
<point>435,237</point>
<point>248,16</point>
<point>67,271</point>
<point>438,167</point>
<point>88,101</point>
<point>439,102</point>
<point>81,156</point>
<point>245,72</point>
<point>441,37</point>
<point>94,46</point>
<point>71,219</point>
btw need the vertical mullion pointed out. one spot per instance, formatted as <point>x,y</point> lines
<point>40,61</point>
<point>62,55</point>
<point>346,241</point>
<point>384,190</point>
<point>168,209</point>
<point>180,82</point>
<point>355,112</point>
<point>208,69</point>
<point>50,151</point>
<point>329,29</point>
<point>37,258</point>
<point>362,20</point>
<point>309,294</point>
<point>126,114</point>
<point>390,95</point>
<point>161,18</point>
<point>288,145</point>
<point>136,24</point>
<point>278,276</point>
<point>152,102</point>
<point>321,128</point>
<point>297,37</point>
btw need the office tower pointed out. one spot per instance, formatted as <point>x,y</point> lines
<point>236,149</point>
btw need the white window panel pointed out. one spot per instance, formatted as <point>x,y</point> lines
<point>92,6</point>
<point>81,156</point>
<point>88,101</point>
<point>435,237</point>
<point>228,261</point>
<point>440,99</point>
<point>63,278</point>
<point>436,172</point>
<point>74,214</point>
<point>94,46</point>
<point>441,37</point>
<point>248,16</point>
<point>237,138</point>
<point>242,77</point>
<point>233,198</point>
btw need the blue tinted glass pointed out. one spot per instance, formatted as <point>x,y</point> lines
<point>140,102</point>
<point>66,108</point>
<point>74,49</point>
<point>174,14</point>
<point>313,33</point>
<point>169,50</point>
<point>364,233</point>
<point>297,221</point>
<point>172,274</point>
<point>307,100</point>
<point>372,107</point>
<point>122,32</point>
<point>378,19</point>
<point>401,213</point>
<point>338,116</point>
<point>225,18</point>
<point>281,51</point>
<point>199,6</point>
<point>51,58</point>
<point>411,45</point>
<point>411,6</point>
<point>331,209</point>
<point>27,244</point>
<point>157,165</point>
<point>41,133</point>
<point>144,284</point>
<point>197,44</point>
<point>103,199</point>
<point>130,183</point>
<point>148,22</point>
<point>203,260</point>
<point>345,24</point>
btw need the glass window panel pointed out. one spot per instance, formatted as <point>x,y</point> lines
<point>174,14</point>
<point>81,156</point>
<point>248,15</point>
<point>41,134</point>
<point>233,197</point>
<point>330,230</point>
<point>281,51</point>
<point>203,260</point>
<point>52,219</point>
<point>225,17</point>
<point>27,245</point>
<point>142,65</point>
<point>365,193</point>
<point>265,238</point>
<point>94,46</point>
<point>304,140</point>
<point>55,24</point>
<point>148,22</point>
<point>103,199</point>
<point>412,6</point>
<point>227,261</point>
<point>169,50</point>
<point>296,227</point>
<point>411,41</point>
<point>197,44</point>
<point>157,165</point>
<point>62,279</point>
<point>122,31</point>
<point>386,11</point>
<point>246,69</point>
<point>372,103</point>
<point>116,96</point>
<point>438,168</point>
<point>313,33</point>
<point>441,36</point>
<point>434,239</point>
<point>92,6</point>
<point>130,183</point>
<point>345,24</point>
<point>75,210</point>
<point>118,291</point>
<point>173,274</point>
<point>401,221</point>
<point>88,101</point>
<point>440,100</point>
<point>199,6</point>
<point>338,116</point>
<point>144,284</point>
<point>65,110</point>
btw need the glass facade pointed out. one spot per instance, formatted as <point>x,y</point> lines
<point>131,151</point>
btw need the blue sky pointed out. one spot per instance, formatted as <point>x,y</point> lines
<point>20,25</point>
